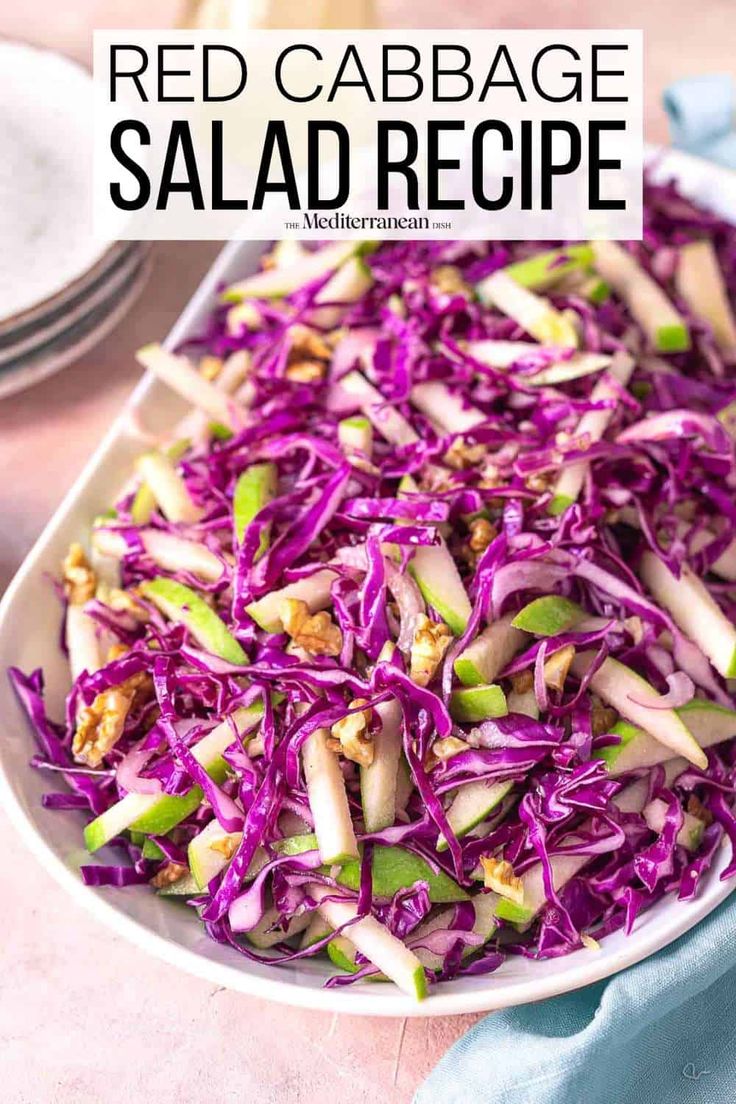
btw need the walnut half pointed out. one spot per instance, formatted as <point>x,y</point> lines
<point>431,641</point>
<point>316,633</point>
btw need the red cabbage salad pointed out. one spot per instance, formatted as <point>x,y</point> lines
<point>413,646</point>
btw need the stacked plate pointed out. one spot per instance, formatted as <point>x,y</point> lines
<point>61,288</point>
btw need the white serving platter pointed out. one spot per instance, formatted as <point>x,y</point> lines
<point>29,632</point>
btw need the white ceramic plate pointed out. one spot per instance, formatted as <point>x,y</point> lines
<point>29,629</point>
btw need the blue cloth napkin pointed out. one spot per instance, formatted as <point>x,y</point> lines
<point>664,1031</point>
<point>701,114</point>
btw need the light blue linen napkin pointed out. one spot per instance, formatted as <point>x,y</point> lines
<point>701,113</point>
<point>664,1031</point>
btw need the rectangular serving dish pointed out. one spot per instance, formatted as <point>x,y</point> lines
<point>29,634</point>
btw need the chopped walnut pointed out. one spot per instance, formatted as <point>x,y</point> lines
<point>449,280</point>
<point>482,532</point>
<point>635,628</point>
<point>498,875</point>
<point>79,578</point>
<point>603,718</point>
<point>461,455</point>
<point>589,942</point>
<point>316,633</point>
<point>210,367</point>
<point>540,482</point>
<point>243,314</point>
<point>306,371</point>
<point>431,641</point>
<point>449,746</point>
<point>307,343</point>
<point>101,724</point>
<point>309,355</point>
<point>123,601</point>
<point>168,874</point>
<point>225,845</point>
<point>557,666</point>
<point>523,682</point>
<point>356,742</point>
<point>697,809</point>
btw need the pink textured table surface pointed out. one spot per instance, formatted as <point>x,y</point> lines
<point>84,1017</point>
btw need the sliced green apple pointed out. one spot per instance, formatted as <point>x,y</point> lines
<point>373,940</point>
<point>349,284</point>
<point>485,925</point>
<point>691,833</point>
<point>181,376</point>
<point>446,408</point>
<point>328,800</point>
<point>168,551</point>
<point>255,488</point>
<point>543,270</point>
<point>378,780</point>
<point>390,422</point>
<point>263,937</point>
<point>548,616</point>
<point>532,312</point>
<point>484,659</point>
<point>700,284</point>
<point>144,502</point>
<point>477,703</point>
<point>708,722</point>
<point>210,851</point>
<point>273,283</point>
<point>315,590</point>
<point>186,607</point>
<point>158,472</point>
<point>696,613</point>
<point>157,814</point>
<point>395,868</point>
<point>472,804</point>
<point>664,326</point>
<point>623,689</point>
<point>316,931</point>
<point>355,434</point>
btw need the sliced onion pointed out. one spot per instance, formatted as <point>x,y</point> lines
<point>681,691</point>
<point>128,772</point>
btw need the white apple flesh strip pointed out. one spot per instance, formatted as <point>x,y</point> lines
<point>315,590</point>
<point>328,800</point>
<point>708,722</point>
<point>262,937</point>
<point>159,473</point>
<point>378,780</point>
<point>485,925</point>
<point>169,552</point>
<point>435,573</point>
<point>591,427</point>
<point>533,313</point>
<point>273,283</point>
<point>664,326</point>
<point>209,852</point>
<point>445,408</point>
<point>82,642</point>
<point>691,832</point>
<point>693,609</point>
<point>355,434</point>
<point>208,751</point>
<point>373,940</point>
<point>484,659</point>
<point>724,565</point>
<point>181,376</point>
<point>504,354</point>
<point>699,282</point>
<point>351,281</point>
<point>617,685</point>
<point>390,423</point>
<point>472,804</point>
